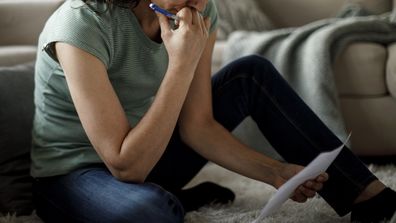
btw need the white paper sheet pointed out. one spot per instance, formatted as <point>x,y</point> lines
<point>316,167</point>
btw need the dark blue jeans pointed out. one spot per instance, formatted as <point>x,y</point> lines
<point>249,86</point>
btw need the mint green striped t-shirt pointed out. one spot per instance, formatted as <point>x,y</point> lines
<point>135,64</point>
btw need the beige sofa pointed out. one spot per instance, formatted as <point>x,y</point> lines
<point>365,72</point>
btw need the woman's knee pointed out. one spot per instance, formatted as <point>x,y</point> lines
<point>253,63</point>
<point>252,66</point>
<point>106,200</point>
<point>256,68</point>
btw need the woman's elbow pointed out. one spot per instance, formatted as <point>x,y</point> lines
<point>129,176</point>
<point>127,172</point>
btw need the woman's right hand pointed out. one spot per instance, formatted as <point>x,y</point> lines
<point>186,43</point>
<point>306,190</point>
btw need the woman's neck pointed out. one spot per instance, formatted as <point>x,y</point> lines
<point>148,20</point>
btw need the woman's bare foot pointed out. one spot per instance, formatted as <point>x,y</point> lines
<point>371,190</point>
<point>376,203</point>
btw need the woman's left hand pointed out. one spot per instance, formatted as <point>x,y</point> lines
<point>306,190</point>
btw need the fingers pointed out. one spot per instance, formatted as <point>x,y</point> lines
<point>309,188</point>
<point>185,15</point>
<point>204,24</point>
<point>309,193</point>
<point>201,22</point>
<point>163,21</point>
<point>313,185</point>
<point>192,16</point>
<point>322,177</point>
<point>298,196</point>
<point>302,194</point>
<point>195,16</point>
<point>207,23</point>
<point>317,183</point>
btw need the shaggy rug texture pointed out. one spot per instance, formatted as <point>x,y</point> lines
<point>251,195</point>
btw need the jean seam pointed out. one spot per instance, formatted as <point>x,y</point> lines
<point>357,184</point>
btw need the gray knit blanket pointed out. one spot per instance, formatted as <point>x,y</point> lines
<point>304,56</point>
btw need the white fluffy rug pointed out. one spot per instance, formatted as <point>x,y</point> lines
<point>250,197</point>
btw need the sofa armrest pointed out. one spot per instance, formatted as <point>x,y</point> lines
<point>391,70</point>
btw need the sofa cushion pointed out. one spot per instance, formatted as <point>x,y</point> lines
<point>13,55</point>
<point>240,15</point>
<point>16,115</point>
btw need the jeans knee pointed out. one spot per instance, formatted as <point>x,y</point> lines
<point>248,75</point>
<point>259,65</point>
<point>255,58</point>
<point>253,65</point>
<point>255,61</point>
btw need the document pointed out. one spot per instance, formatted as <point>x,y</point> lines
<point>315,168</point>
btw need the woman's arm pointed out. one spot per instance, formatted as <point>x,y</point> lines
<point>128,152</point>
<point>210,139</point>
<point>131,152</point>
<point>203,133</point>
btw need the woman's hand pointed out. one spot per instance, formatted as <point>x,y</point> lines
<point>186,43</point>
<point>306,190</point>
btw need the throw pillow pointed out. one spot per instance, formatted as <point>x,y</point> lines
<point>16,115</point>
<point>240,15</point>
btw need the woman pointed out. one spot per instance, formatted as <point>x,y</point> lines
<point>127,114</point>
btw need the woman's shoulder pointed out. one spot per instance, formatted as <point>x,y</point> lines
<point>79,12</point>
<point>83,25</point>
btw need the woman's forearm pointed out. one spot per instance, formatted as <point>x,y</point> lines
<point>129,152</point>
<point>145,143</point>
<point>218,145</point>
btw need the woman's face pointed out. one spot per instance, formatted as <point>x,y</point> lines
<point>176,5</point>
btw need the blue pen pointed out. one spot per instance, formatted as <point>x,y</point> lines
<point>163,11</point>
